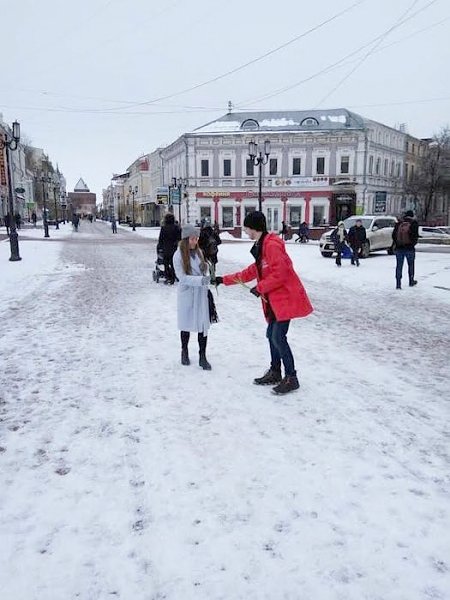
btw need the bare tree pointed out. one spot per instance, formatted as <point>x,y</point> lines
<point>433,176</point>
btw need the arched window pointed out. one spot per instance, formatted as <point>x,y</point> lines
<point>310,122</point>
<point>250,125</point>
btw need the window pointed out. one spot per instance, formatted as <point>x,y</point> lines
<point>295,216</point>
<point>227,217</point>
<point>273,166</point>
<point>392,168</point>
<point>399,169</point>
<point>248,210</point>
<point>296,166</point>
<point>250,170</point>
<point>345,164</point>
<point>318,215</point>
<point>386,163</point>
<point>205,214</point>
<point>310,122</point>
<point>227,167</point>
<point>320,165</point>
<point>406,171</point>
<point>378,166</point>
<point>411,176</point>
<point>370,165</point>
<point>205,168</point>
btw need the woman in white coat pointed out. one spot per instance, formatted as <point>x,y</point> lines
<point>193,308</point>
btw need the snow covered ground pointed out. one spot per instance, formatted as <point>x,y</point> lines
<point>125,475</point>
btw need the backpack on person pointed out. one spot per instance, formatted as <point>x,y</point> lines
<point>404,237</point>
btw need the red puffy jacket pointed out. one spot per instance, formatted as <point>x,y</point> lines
<point>278,283</point>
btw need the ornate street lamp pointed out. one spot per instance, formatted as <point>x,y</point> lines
<point>63,206</point>
<point>259,160</point>
<point>55,198</point>
<point>10,145</point>
<point>45,179</point>
<point>179,183</point>
<point>133,191</point>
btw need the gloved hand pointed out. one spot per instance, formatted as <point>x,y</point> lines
<point>206,280</point>
<point>217,280</point>
<point>255,292</point>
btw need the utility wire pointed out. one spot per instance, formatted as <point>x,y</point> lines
<point>251,62</point>
<point>327,69</point>
<point>369,53</point>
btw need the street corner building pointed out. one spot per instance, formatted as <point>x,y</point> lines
<point>82,201</point>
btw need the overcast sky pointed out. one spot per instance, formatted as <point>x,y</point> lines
<point>74,73</point>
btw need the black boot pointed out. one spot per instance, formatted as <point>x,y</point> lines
<point>288,384</point>
<point>203,363</point>
<point>412,282</point>
<point>185,357</point>
<point>270,377</point>
<point>399,285</point>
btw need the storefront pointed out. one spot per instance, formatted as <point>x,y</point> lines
<point>228,208</point>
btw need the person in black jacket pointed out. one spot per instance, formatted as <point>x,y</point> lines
<point>405,236</point>
<point>339,238</point>
<point>209,242</point>
<point>356,238</point>
<point>169,236</point>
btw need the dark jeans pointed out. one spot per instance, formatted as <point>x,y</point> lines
<point>168,268</point>
<point>410,256</point>
<point>279,347</point>
<point>355,254</point>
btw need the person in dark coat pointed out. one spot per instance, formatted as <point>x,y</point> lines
<point>405,237</point>
<point>209,242</point>
<point>303,233</point>
<point>284,230</point>
<point>18,220</point>
<point>34,218</point>
<point>169,236</point>
<point>339,238</point>
<point>114,224</point>
<point>7,219</point>
<point>356,238</point>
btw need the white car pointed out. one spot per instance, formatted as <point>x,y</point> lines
<point>435,232</point>
<point>378,228</point>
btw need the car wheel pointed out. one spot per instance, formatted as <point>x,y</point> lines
<point>365,250</point>
<point>327,254</point>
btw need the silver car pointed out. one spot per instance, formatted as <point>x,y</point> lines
<point>378,230</point>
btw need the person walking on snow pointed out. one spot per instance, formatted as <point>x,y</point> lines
<point>169,236</point>
<point>356,238</point>
<point>339,237</point>
<point>282,294</point>
<point>114,224</point>
<point>192,299</point>
<point>405,236</point>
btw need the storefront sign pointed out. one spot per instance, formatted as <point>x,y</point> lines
<point>175,195</point>
<point>162,195</point>
<point>380,203</point>
<point>213,194</point>
<point>316,181</point>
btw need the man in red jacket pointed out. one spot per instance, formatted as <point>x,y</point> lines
<point>282,294</point>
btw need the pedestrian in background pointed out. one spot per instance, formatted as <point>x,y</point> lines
<point>405,237</point>
<point>7,220</point>
<point>169,236</point>
<point>114,225</point>
<point>284,230</point>
<point>283,298</point>
<point>192,299</point>
<point>18,220</point>
<point>34,218</point>
<point>209,242</point>
<point>339,239</point>
<point>356,238</point>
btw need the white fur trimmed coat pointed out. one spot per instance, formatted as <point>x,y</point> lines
<point>192,306</point>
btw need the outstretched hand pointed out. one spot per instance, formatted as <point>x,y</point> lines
<point>217,280</point>
<point>255,292</point>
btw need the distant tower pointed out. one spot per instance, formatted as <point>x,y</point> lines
<point>230,107</point>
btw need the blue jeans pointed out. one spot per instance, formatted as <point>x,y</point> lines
<point>279,347</point>
<point>410,256</point>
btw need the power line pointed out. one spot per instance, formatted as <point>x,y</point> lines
<point>251,62</point>
<point>369,53</point>
<point>325,70</point>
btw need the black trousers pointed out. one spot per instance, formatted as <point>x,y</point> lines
<point>202,340</point>
<point>168,268</point>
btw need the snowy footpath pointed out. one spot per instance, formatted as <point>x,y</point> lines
<point>125,475</point>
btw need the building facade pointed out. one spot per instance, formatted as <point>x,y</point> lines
<point>323,166</point>
<point>81,201</point>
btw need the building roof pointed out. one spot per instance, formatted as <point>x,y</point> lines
<point>81,186</point>
<point>287,120</point>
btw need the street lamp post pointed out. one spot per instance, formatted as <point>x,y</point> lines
<point>45,179</point>
<point>259,160</point>
<point>63,206</point>
<point>179,183</point>
<point>133,191</point>
<point>11,145</point>
<point>55,197</point>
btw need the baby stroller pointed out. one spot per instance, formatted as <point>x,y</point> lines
<point>158,272</point>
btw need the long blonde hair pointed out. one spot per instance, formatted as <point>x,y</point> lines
<point>186,257</point>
